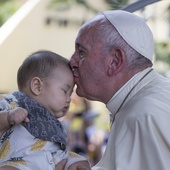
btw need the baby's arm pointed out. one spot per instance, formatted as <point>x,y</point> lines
<point>8,118</point>
<point>4,125</point>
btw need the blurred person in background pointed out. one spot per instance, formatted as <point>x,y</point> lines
<point>93,136</point>
<point>85,137</point>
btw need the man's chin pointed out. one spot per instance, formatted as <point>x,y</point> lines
<point>79,92</point>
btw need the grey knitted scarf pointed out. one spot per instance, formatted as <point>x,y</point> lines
<point>42,124</point>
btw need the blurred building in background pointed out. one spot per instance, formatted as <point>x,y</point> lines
<point>53,25</point>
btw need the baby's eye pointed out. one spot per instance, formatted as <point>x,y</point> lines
<point>65,91</point>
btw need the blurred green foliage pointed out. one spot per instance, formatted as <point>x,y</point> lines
<point>7,9</point>
<point>65,4</point>
<point>117,4</point>
<point>163,52</point>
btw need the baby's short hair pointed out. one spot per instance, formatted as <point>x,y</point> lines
<point>39,64</point>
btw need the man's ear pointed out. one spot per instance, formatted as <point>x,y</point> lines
<point>36,86</point>
<point>116,60</point>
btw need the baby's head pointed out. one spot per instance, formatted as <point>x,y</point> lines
<point>46,77</point>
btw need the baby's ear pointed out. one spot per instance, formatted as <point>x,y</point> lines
<point>36,86</point>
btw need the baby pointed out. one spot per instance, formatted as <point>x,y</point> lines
<point>31,136</point>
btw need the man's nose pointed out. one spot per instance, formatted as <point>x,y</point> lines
<point>73,63</point>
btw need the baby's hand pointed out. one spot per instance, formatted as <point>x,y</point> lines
<point>82,168</point>
<point>80,165</point>
<point>17,116</point>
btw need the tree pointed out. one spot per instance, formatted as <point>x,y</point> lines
<point>8,8</point>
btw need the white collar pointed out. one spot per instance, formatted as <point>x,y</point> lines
<point>124,92</point>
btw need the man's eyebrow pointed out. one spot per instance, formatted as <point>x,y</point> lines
<point>79,45</point>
